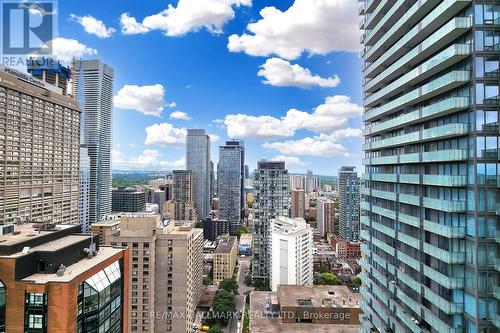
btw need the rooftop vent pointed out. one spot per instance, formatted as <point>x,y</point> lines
<point>61,270</point>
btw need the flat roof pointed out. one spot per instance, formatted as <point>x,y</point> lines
<point>318,296</point>
<point>225,246</point>
<point>76,269</point>
<point>25,232</point>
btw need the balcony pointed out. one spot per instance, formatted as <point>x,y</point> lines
<point>444,230</point>
<point>444,107</point>
<point>445,155</point>
<point>396,36</point>
<point>444,180</point>
<point>410,220</point>
<point>445,306</point>
<point>391,11</point>
<point>449,257</point>
<point>383,229</point>
<point>434,65</point>
<point>445,205</point>
<point>409,199</point>
<point>445,281</point>
<point>383,246</point>
<point>409,178</point>
<point>448,81</point>
<point>409,240</point>
<point>410,261</point>
<point>384,212</point>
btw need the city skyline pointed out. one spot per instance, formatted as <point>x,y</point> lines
<point>205,84</point>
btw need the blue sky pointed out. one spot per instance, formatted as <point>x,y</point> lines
<point>195,64</point>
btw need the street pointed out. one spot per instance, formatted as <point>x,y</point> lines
<point>244,263</point>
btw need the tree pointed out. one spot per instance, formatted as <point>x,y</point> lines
<point>323,268</point>
<point>229,285</point>
<point>240,231</point>
<point>199,224</point>
<point>356,282</point>
<point>215,329</point>
<point>328,279</point>
<point>207,280</point>
<point>248,280</point>
<point>223,306</point>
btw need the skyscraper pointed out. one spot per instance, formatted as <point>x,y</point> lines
<point>349,200</point>
<point>230,175</point>
<point>291,247</point>
<point>183,196</point>
<point>198,161</point>
<point>325,216</point>
<point>298,203</point>
<point>93,88</point>
<point>39,151</point>
<point>272,199</point>
<point>84,189</point>
<point>431,189</point>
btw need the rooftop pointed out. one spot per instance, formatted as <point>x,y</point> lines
<point>226,246</point>
<point>318,296</point>
<point>32,231</point>
<point>77,269</point>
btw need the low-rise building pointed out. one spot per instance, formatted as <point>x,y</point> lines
<point>213,228</point>
<point>343,248</point>
<point>225,258</point>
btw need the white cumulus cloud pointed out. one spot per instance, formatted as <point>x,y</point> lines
<point>188,16</point>
<point>179,115</point>
<point>65,49</point>
<point>281,73</point>
<point>289,160</point>
<point>333,114</point>
<point>165,134</point>
<point>309,146</point>
<point>151,158</point>
<point>311,26</point>
<point>93,26</point>
<point>148,100</point>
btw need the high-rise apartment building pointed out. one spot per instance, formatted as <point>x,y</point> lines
<point>84,190</point>
<point>272,199</point>
<point>55,279</point>
<point>128,200</point>
<point>230,177</point>
<point>225,258</point>
<point>39,151</point>
<point>349,200</point>
<point>93,88</point>
<point>431,182</point>
<point>325,216</point>
<point>198,161</point>
<point>179,275</point>
<point>298,203</point>
<point>137,232</point>
<point>183,196</point>
<point>291,243</point>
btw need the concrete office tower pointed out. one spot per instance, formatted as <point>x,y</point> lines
<point>93,88</point>
<point>291,243</point>
<point>198,161</point>
<point>431,189</point>
<point>39,151</point>
<point>225,258</point>
<point>272,199</point>
<point>325,216</point>
<point>349,198</point>
<point>128,200</point>
<point>179,275</point>
<point>309,182</point>
<point>55,279</point>
<point>183,196</point>
<point>138,233</point>
<point>84,190</point>
<point>298,205</point>
<point>230,175</point>
<point>247,172</point>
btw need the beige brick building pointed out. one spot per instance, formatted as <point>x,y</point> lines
<point>225,258</point>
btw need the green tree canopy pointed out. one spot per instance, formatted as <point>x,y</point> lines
<point>229,285</point>
<point>328,278</point>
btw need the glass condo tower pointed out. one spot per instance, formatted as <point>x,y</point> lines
<point>430,195</point>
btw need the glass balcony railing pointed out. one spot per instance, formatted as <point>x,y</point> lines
<point>439,85</point>
<point>383,246</point>
<point>409,199</point>
<point>410,220</point>
<point>445,281</point>
<point>448,105</point>
<point>409,240</point>
<point>445,155</point>
<point>383,229</point>
<point>445,205</point>
<point>384,212</point>
<point>444,305</point>
<point>444,180</point>
<point>444,230</point>
<point>365,235</point>
<point>409,179</point>
<point>408,281</point>
<point>410,261</point>
<point>384,195</point>
<point>383,21</point>
<point>450,257</point>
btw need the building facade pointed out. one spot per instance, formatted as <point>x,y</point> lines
<point>214,227</point>
<point>272,199</point>
<point>84,219</point>
<point>128,200</point>
<point>39,151</point>
<point>291,243</point>
<point>198,161</point>
<point>325,216</point>
<point>183,196</point>
<point>93,88</point>
<point>53,279</point>
<point>225,258</point>
<point>431,182</point>
<point>298,203</point>
<point>178,278</point>
<point>230,177</point>
<point>349,201</point>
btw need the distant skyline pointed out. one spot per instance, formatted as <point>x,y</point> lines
<point>295,96</point>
